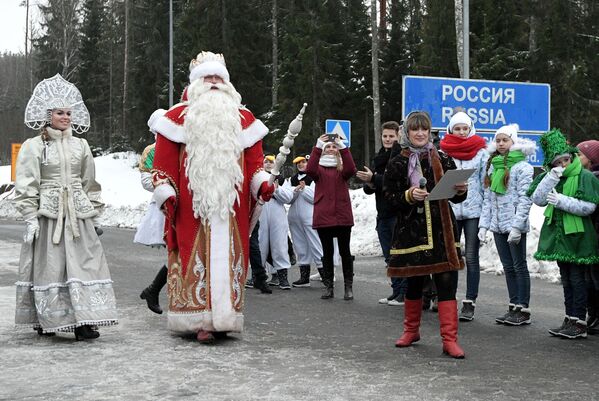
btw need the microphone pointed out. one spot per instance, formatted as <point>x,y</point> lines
<point>422,185</point>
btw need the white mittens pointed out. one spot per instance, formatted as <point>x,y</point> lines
<point>514,236</point>
<point>482,234</point>
<point>320,144</point>
<point>556,172</point>
<point>32,230</point>
<point>553,197</point>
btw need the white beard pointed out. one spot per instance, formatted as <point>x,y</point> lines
<point>212,127</point>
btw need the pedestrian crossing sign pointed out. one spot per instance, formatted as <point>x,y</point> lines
<point>341,128</point>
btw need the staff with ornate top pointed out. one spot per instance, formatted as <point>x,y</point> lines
<point>294,129</point>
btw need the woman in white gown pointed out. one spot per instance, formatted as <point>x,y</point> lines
<point>64,283</point>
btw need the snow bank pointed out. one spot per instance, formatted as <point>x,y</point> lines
<point>122,193</point>
<point>126,202</point>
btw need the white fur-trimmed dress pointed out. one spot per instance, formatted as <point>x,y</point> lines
<point>64,281</point>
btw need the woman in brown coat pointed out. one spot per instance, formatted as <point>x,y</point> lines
<point>425,240</point>
<point>331,166</point>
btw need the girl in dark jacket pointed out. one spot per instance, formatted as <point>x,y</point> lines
<point>331,166</point>
<point>425,240</point>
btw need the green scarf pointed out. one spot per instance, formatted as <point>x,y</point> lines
<point>572,223</point>
<point>499,166</point>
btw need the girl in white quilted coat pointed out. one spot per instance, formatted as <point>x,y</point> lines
<point>505,213</point>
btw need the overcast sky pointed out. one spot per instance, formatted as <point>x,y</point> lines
<point>12,25</point>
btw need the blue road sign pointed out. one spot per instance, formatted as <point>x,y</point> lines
<point>341,128</point>
<point>536,159</point>
<point>491,104</point>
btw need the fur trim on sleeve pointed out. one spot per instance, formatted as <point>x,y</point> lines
<point>162,193</point>
<point>258,178</point>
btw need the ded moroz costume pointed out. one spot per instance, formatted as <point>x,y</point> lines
<point>64,283</point>
<point>207,175</point>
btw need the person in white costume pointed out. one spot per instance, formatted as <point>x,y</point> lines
<point>274,228</point>
<point>64,283</point>
<point>305,239</point>
<point>150,230</point>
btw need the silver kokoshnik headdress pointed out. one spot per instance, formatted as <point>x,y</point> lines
<point>56,93</point>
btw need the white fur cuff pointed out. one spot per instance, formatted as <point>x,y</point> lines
<point>257,180</point>
<point>162,193</point>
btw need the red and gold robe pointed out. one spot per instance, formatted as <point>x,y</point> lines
<point>207,261</point>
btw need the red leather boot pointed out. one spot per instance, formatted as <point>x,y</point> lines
<point>448,317</point>
<point>411,323</point>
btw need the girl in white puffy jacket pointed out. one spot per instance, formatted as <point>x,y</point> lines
<point>468,152</point>
<point>505,213</point>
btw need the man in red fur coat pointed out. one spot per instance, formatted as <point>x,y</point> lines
<point>208,175</point>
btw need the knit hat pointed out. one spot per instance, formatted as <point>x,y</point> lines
<point>461,118</point>
<point>591,150</point>
<point>270,158</point>
<point>555,146</point>
<point>510,130</point>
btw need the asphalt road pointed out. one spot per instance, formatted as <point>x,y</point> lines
<point>295,346</point>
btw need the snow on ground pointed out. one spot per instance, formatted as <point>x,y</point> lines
<point>4,174</point>
<point>126,202</point>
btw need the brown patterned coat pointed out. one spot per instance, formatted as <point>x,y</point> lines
<point>425,240</point>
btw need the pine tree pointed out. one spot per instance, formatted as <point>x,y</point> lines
<point>311,66</point>
<point>438,48</point>
<point>560,62</point>
<point>91,77</point>
<point>149,66</point>
<point>499,40</point>
<point>57,49</point>
<point>399,56</point>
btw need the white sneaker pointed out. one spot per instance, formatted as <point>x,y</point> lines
<point>315,277</point>
<point>383,301</point>
<point>395,302</point>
